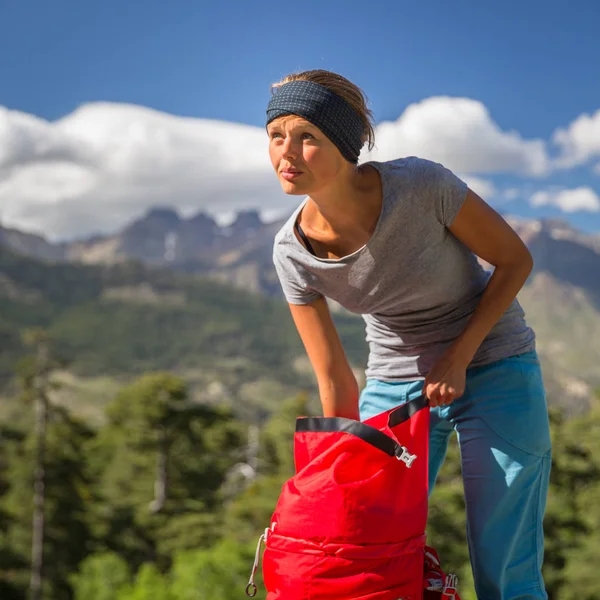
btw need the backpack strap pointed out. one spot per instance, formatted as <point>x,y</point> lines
<point>405,411</point>
<point>365,432</point>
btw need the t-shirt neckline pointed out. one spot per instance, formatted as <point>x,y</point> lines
<point>379,167</point>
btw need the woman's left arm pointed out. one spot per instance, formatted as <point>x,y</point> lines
<point>488,235</point>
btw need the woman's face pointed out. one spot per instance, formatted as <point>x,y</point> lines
<point>303,157</point>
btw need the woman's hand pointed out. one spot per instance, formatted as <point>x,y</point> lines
<point>446,380</point>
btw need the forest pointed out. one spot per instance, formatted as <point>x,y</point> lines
<point>167,498</point>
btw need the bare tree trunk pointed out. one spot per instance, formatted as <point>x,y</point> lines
<point>39,478</point>
<point>37,544</point>
<point>161,478</point>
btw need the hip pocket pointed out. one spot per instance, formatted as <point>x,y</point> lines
<point>509,396</point>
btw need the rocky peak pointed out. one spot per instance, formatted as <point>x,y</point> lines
<point>157,221</point>
<point>163,215</point>
<point>148,237</point>
<point>201,223</point>
<point>246,224</point>
<point>197,234</point>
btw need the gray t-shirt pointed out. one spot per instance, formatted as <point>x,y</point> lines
<point>414,283</point>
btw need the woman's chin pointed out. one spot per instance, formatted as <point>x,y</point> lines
<point>293,189</point>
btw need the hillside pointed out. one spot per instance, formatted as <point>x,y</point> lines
<point>122,320</point>
<point>567,325</point>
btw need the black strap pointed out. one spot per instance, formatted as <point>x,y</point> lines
<point>365,432</point>
<point>304,239</point>
<point>368,434</point>
<point>407,410</point>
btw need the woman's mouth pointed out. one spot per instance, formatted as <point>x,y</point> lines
<point>289,175</point>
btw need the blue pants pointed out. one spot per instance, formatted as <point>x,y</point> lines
<point>503,433</point>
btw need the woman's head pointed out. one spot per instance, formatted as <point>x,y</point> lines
<point>317,123</point>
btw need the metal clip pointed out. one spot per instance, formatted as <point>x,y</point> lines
<point>406,457</point>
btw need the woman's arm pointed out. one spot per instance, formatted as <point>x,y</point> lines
<point>338,387</point>
<point>489,236</point>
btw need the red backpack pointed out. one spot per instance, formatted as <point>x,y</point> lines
<point>351,523</point>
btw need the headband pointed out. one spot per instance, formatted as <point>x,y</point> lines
<point>323,108</point>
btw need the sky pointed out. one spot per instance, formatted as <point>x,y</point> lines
<point>110,108</point>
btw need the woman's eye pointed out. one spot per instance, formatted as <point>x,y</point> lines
<point>305,136</point>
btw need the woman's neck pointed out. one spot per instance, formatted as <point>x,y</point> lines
<point>348,209</point>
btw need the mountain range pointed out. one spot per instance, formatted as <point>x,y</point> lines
<point>561,299</point>
<point>240,253</point>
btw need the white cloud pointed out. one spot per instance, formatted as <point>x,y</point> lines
<point>484,188</point>
<point>579,142</point>
<point>106,164</point>
<point>25,138</point>
<point>579,199</point>
<point>459,133</point>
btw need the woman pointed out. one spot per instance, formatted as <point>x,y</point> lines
<point>397,243</point>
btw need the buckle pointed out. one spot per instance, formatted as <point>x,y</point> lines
<point>450,586</point>
<point>405,456</point>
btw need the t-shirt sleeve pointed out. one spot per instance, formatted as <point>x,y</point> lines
<point>446,191</point>
<point>295,289</point>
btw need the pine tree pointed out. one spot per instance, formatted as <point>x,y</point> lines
<point>11,563</point>
<point>35,379</point>
<point>160,462</point>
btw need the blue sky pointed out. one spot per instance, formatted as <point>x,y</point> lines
<point>534,66</point>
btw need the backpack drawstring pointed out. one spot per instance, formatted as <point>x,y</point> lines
<point>251,588</point>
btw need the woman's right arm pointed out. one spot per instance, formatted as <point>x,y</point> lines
<point>338,387</point>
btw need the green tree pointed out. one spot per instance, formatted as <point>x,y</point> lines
<point>575,516</point>
<point>159,463</point>
<point>101,577</point>
<point>221,572</point>
<point>149,584</point>
<point>155,410</point>
<point>247,515</point>
<point>277,439</point>
<point>35,375</point>
<point>66,494</point>
<point>11,563</point>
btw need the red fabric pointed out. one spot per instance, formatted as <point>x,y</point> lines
<point>351,523</point>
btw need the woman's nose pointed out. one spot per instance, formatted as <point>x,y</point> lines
<point>289,148</point>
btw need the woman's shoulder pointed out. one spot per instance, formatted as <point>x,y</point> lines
<point>411,164</point>
<point>421,174</point>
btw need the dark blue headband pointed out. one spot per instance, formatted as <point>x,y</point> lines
<point>323,108</point>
